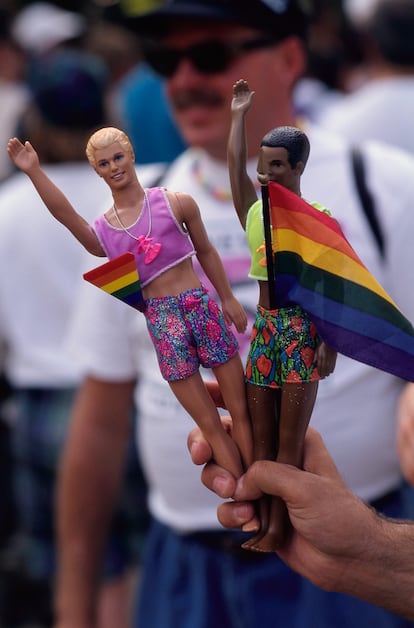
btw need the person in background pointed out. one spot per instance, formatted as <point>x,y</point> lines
<point>137,99</point>
<point>333,55</point>
<point>14,95</point>
<point>380,108</point>
<point>42,27</point>
<point>38,291</point>
<point>145,114</point>
<point>194,573</point>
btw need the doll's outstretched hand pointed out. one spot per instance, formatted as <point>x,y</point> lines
<point>23,156</point>
<point>234,313</point>
<point>242,97</point>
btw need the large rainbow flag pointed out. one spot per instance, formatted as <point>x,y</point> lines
<point>316,267</point>
<point>119,277</point>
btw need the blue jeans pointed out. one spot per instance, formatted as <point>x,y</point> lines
<point>190,582</point>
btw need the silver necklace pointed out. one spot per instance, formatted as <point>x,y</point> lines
<point>121,224</point>
<point>146,244</point>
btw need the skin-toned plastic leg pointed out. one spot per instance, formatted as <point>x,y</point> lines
<point>195,399</point>
<point>230,377</point>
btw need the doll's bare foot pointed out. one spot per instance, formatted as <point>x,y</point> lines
<point>273,535</point>
<point>263,510</point>
<point>253,542</point>
<point>269,542</point>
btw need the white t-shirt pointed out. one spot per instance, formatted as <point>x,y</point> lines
<point>41,272</point>
<point>380,110</point>
<point>356,405</point>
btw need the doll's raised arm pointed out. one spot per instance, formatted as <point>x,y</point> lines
<point>242,187</point>
<point>188,211</point>
<point>26,159</point>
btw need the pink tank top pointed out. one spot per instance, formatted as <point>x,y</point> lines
<point>156,239</point>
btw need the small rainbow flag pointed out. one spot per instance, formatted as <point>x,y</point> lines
<point>119,277</point>
<point>316,267</point>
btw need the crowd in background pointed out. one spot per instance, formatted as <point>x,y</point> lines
<point>67,68</point>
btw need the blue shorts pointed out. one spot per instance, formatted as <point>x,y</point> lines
<point>188,331</point>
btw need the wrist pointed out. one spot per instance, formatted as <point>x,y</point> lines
<point>382,571</point>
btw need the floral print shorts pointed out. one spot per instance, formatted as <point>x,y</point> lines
<point>282,348</point>
<point>188,330</point>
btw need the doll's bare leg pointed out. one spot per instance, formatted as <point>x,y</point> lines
<point>195,399</point>
<point>297,402</point>
<point>263,404</point>
<point>297,405</point>
<point>230,377</point>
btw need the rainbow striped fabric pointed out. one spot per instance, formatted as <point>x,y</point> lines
<point>119,277</point>
<point>316,267</point>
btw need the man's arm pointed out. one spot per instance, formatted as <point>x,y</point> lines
<point>89,483</point>
<point>338,542</point>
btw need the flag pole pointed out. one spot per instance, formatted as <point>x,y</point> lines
<point>268,246</point>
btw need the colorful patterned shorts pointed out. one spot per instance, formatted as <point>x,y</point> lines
<point>188,330</point>
<point>282,348</point>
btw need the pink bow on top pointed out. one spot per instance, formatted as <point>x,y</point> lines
<point>151,250</point>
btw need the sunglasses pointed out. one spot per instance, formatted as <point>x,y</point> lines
<point>208,57</point>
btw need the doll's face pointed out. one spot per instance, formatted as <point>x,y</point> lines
<point>274,166</point>
<point>115,165</point>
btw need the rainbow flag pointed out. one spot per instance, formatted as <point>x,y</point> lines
<point>316,267</point>
<point>119,277</point>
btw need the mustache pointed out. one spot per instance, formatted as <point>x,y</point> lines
<point>190,97</point>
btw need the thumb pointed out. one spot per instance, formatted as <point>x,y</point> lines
<point>272,478</point>
<point>286,481</point>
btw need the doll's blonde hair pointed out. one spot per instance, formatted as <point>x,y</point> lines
<point>105,137</point>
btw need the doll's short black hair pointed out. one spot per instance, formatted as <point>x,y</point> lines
<point>293,139</point>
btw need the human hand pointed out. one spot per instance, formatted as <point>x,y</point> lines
<point>330,524</point>
<point>337,542</point>
<point>214,391</point>
<point>234,314</point>
<point>405,432</point>
<point>325,359</point>
<point>242,97</point>
<point>23,156</point>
